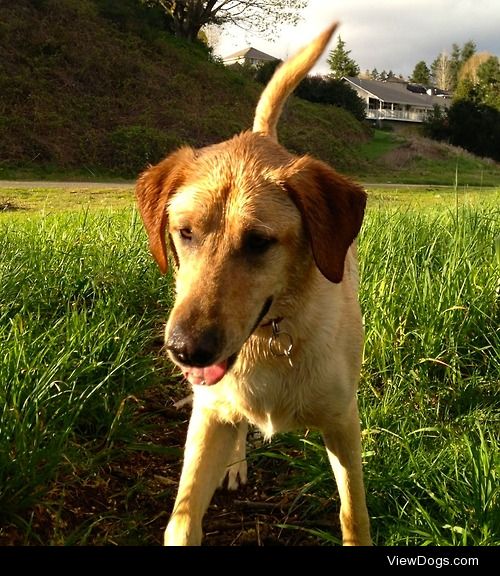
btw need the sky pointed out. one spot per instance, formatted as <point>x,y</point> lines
<point>383,34</point>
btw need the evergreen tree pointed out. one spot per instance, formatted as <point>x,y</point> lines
<point>421,74</point>
<point>459,55</point>
<point>340,62</point>
<point>468,50</point>
<point>456,63</point>
<point>473,120</point>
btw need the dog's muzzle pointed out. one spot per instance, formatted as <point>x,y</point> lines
<point>197,354</point>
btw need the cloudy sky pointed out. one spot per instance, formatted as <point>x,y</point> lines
<point>385,34</point>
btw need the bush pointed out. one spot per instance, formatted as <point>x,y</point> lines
<point>131,148</point>
<point>265,72</point>
<point>436,126</point>
<point>324,90</point>
<point>318,89</point>
<point>470,125</point>
<point>132,16</point>
<point>475,127</point>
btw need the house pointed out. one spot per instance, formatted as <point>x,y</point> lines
<point>397,101</point>
<point>249,56</point>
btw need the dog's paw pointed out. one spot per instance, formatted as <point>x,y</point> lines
<point>236,475</point>
<point>236,472</point>
<point>181,532</point>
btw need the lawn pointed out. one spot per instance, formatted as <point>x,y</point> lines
<point>90,445</point>
<point>408,157</point>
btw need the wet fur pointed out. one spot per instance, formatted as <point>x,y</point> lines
<point>223,195</point>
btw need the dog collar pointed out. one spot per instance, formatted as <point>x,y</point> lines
<point>273,322</point>
<point>280,342</point>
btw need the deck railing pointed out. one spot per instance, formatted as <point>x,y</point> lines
<point>403,115</point>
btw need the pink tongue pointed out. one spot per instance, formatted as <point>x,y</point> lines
<point>206,376</point>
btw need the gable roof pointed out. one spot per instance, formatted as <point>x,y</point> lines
<point>251,54</point>
<point>395,92</point>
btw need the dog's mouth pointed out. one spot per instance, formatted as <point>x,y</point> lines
<point>210,375</point>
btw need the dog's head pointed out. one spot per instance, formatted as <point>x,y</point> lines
<point>247,223</point>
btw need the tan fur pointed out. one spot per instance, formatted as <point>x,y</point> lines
<point>219,205</point>
<point>286,78</point>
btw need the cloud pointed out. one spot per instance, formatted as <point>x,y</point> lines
<point>387,34</point>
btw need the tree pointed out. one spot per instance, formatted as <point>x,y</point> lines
<point>479,80</point>
<point>188,17</point>
<point>212,35</point>
<point>473,119</point>
<point>442,73</point>
<point>457,59</point>
<point>470,67</point>
<point>468,124</point>
<point>488,75</point>
<point>468,49</point>
<point>421,74</point>
<point>340,63</point>
<point>475,127</point>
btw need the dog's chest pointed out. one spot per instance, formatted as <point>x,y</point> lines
<point>275,398</point>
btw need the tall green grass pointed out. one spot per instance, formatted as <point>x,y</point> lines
<point>81,301</point>
<point>77,306</point>
<point>429,392</point>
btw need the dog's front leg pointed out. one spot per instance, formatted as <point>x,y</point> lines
<point>237,469</point>
<point>343,444</point>
<point>208,449</point>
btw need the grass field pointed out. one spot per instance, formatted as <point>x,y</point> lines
<point>410,158</point>
<point>90,450</point>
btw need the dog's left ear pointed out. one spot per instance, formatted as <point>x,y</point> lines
<point>332,209</point>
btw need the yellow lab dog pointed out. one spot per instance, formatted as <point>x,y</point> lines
<point>266,325</point>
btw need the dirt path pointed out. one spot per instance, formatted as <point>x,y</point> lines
<point>27,184</point>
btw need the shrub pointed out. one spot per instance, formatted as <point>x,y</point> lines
<point>318,89</point>
<point>475,127</point>
<point>265,72</point>
<point>470,125</point>
<point>324,90</point>
<point>131,148</point>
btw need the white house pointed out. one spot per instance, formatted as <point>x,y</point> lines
<point>250,56</point>
<point>397,101</point>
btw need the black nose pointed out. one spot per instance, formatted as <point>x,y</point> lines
<point>195,349</point>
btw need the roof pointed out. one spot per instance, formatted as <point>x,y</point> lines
<point>395,92</point>
<point>251,54</point>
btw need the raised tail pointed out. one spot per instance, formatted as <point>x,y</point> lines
<point>286,78</point>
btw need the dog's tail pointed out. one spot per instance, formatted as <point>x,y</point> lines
<point>286,78</point>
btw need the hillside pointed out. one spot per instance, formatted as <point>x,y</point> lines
<point>78,92</point>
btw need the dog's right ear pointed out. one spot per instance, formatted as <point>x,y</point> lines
<point>154,188</point>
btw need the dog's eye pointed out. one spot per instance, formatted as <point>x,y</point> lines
<point>186,234</point>
<point>257,243</point>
